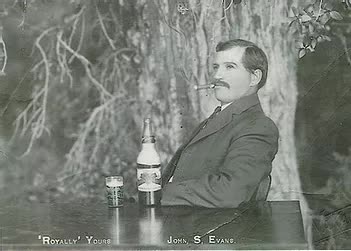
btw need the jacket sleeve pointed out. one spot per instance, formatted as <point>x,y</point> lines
<point>248,161</point>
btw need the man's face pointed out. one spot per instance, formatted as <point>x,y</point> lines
<point>228,68</point>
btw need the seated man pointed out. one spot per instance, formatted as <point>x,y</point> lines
<point>230,153</point>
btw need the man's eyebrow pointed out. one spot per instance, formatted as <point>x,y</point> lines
<point>216,64</point>
<point>230,63</point>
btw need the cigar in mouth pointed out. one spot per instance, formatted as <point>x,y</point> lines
<point>209,86</point>
<point>202,87</point>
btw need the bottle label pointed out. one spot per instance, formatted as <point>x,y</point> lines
<point>149,179</point>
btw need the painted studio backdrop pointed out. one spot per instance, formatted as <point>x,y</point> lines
<point>78,77</point>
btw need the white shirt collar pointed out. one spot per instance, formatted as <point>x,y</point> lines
<point>225,106</point>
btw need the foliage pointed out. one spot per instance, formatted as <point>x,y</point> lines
<point>313,23</point>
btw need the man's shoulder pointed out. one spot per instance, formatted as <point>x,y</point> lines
<point>254,119</point>
<point>252,114</point>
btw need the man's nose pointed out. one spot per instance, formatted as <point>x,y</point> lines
<point>217,75</point>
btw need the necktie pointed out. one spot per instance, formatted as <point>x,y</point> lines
<point>216,111</point>
<point>166,175</point>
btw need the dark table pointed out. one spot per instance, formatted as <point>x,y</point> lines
<point>264,225</point>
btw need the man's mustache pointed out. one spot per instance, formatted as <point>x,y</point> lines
<point>220,83</point>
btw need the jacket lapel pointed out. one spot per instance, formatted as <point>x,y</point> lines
<point>169,169</point>
<point>226,116</point>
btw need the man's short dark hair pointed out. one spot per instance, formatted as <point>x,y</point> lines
<point>253,58</point>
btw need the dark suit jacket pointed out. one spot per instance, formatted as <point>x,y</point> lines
<point>224,163</point>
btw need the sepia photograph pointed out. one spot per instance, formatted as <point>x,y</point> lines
<point>175,124</point>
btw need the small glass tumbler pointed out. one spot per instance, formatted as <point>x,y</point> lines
<point>114,191</point>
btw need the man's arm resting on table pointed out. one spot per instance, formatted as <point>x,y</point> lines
<point>248,160</point>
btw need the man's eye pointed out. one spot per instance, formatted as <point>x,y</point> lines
<point>230,66</point>
<point>215,67</point>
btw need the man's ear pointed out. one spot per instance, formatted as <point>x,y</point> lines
<point>256,77</point>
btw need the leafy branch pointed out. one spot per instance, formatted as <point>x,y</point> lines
<point>312,24</point>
